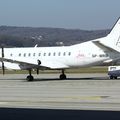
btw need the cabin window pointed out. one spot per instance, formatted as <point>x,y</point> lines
<point>49,54</point>
<point>39,54</point>
<point>29,54</point>
<point>64,53</point>
<point>19,54</point>
<point>24,55</point>
<point>69,53</point>
<point>54,54</point>
<point>33,54</point>
<point>59,54</point>
<point>11,54</point>
<point>44,54</point>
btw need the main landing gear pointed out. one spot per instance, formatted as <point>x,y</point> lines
<point>62,76</point>
<point>30,77</point>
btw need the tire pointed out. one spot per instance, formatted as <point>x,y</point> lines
<point>29,78</point>
<point>115,77</point>
<point>111,77</point>
<point>62,76</point>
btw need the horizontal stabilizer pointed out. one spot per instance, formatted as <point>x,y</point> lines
<point>104,47</point>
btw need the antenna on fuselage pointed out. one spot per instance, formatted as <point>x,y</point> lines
<point>36,45</point>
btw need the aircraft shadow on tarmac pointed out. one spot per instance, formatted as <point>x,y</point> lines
<point>57,79</point>
<point>69,79</point>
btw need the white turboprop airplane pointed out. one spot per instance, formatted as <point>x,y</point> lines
<point>94,52</point>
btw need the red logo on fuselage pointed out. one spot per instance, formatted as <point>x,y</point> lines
<point>80,55</point>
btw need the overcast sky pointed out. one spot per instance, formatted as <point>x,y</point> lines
<point>75,14</point>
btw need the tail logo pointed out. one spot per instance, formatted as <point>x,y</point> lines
<point>118,41</point>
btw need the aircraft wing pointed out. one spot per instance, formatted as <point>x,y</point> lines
<point>33,63</point>
<point>104,47</point>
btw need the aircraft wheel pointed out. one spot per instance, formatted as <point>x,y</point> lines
<point>115,77</point>
<point>111,77</point>
<point>30,78</point>
<point>62,76</point>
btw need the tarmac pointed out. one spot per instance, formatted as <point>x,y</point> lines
<point>94,91</point>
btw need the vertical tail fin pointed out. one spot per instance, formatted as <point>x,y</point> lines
<point>113,38</point>
<point>115,28</point>
<point>114,35</point>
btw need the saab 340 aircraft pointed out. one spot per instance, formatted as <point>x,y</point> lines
<point>94,52</point>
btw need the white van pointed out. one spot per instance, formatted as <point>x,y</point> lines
<point>114,72</point>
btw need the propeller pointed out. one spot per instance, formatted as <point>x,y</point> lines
<point>39,62</point>
<point>3,67</point>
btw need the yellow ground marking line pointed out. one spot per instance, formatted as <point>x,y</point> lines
<point>85,97</point>
<point>3,103</point>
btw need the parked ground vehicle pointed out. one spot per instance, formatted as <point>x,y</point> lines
<point>114,72</point>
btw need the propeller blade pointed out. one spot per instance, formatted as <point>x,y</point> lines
<point>2,52</point>
<point>3,68</point>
